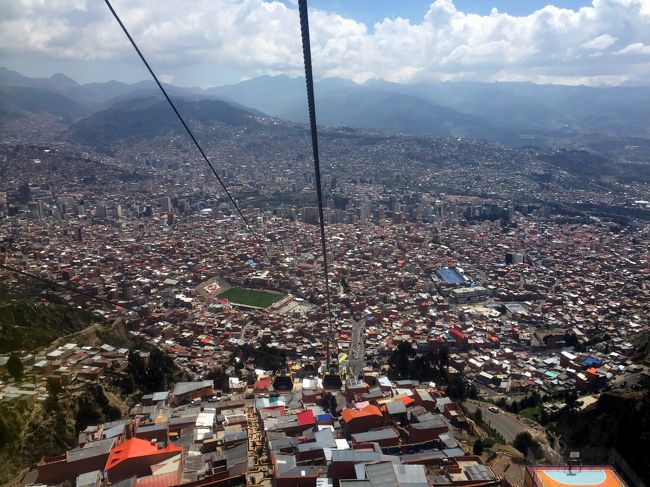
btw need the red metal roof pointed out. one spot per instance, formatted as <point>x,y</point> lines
<point>262,384</point>
<point>136,447</point>
<point>306,417</point>
<point>458,333</point>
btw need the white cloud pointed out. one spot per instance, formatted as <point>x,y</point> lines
<point>166,78</point>
<point>601,42</point>
<point>635,48</point>
<point>258,36</point>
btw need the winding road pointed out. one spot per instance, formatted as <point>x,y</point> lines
<point>507,425</point>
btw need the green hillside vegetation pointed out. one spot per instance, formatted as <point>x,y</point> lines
<point>27,433</point>
<point>642,348</point>
<point>250,297</point>
<point>28,324</point>
<point>97,334</point>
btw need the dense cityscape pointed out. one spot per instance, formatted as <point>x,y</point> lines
<point>496,299</point>
<point>455,295</point>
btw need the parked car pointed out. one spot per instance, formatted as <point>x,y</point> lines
<point>494,409</point>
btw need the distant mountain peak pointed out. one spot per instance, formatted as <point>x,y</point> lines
<point>60,81</point>
<point>62,77</point>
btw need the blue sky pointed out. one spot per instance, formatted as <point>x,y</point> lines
<point>371,11</point>
<point>209,43</point>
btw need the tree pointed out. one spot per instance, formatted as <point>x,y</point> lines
<point>220,378</point>
<point>329,403</point>
<point>54,386</point>
<point>15,367</point>
<point>478,447</point>
<point>88,412</point>
<point>524,442</point>
<point>154,374</point>
<point>456,389</point>
<point>570,399</point>
<point>544,417</point>
<point>478,416</point>
<point>401,360</point>
<point>443,358</point>
<point>127,384</point>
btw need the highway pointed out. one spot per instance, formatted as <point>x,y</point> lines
<point>504,423</point>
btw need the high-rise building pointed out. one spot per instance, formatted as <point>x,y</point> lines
<point>24,193</point>
<point>309,215</point>
<point>166,204</point>
<point>35,210</point>
<point>100,210</point>
<point>514,258</point>
<point>365,211</point>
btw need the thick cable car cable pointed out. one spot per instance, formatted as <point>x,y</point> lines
<point>332,378</point>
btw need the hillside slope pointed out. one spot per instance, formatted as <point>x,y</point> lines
<point>150,117</point>
<point>30,324</point>
<point>620,419</point>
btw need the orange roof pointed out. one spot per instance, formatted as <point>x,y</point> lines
<point>350,415</point>
<point>406,400</point>
<point>136,447</point>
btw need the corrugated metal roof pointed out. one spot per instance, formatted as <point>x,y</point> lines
<point>382,434</point>
<point>478,472</point>
<point>354,456</point>
<point>181,388</point>
<point>96,448</point>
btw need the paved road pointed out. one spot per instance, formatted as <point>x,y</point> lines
<point>629,379</point>
<point>357,360</point>
<point>504,423</point>
<point>244,329</point>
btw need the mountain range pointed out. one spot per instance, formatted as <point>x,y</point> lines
<point>509,113</point>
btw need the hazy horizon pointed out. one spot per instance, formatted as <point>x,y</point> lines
<point>50,75</point>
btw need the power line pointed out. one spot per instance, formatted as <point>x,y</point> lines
<point>187,129</point>
<point>306,52</point>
